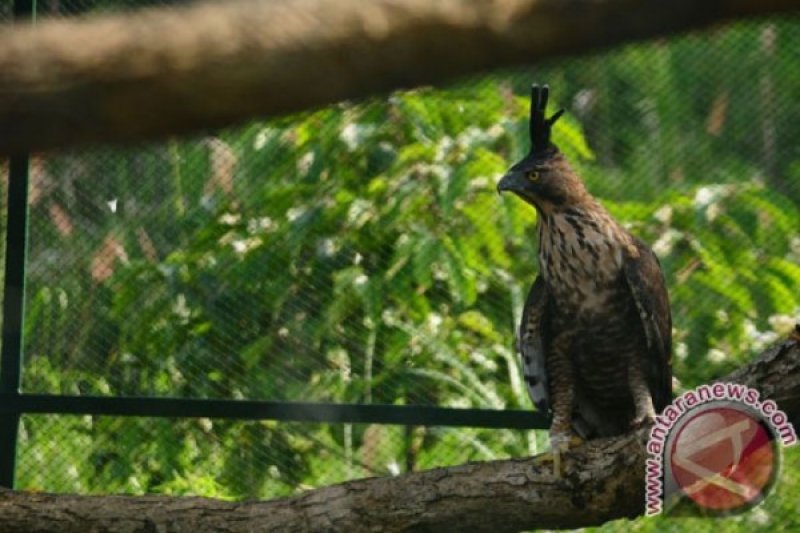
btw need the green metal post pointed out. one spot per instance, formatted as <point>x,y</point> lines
<point>13,310</point>
<point>14,294</point>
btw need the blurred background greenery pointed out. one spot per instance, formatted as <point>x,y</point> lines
<point>359,253</point>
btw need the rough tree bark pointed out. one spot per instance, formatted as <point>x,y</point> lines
<point>166,71</point>
<point>604,480</point>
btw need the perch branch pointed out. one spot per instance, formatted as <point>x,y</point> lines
<point>167,71</point>
<point>604,480</point>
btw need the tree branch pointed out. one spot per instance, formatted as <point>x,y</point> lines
<point>166,71</point>
<point>604,480</point>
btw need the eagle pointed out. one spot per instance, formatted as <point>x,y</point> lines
<point>596,331</point>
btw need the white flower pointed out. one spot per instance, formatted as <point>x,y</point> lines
<point>750,329</point>
<point>482,286</point>
<point>439,273</point>
<point>471,136</point>
<point>360,212</point>
<point>327,247</point>
<point>794,246</point>
<point>766,338</point>
<point>710,194</point>
<point>496,131</point>
<point>293,213</point>
<point>63,301</point>
<point>479,183</point>
<point>716,355</point>
<point>759,339</point>
<point>713,212</point>
<point>663,246</point>
<point>180,308</point>
<point>443,148</point>
<point>242,246</point>
<point>254,225</point>
<point>704,196</point>
<point>664,214</point>
<point>393,468</point>
<point>305,162</point>
<point>262,138</point>
<point>458,402</point>
<point>783,324</point>
<point>434,321</point>
<point>759,516</point>
<point>389,317</point>
<point>354,134</point>
<point>349,135</point>
<point>481,359</point>
<point>229,219</point>
<point>681,350</point>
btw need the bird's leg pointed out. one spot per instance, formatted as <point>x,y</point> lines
<point>562,394</point>
<point>561,436</point>
<point>642,400</point>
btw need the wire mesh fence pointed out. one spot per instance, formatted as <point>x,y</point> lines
<point>102,455</point>
<point>359,253</point>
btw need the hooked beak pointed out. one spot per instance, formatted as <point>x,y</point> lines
<point>514,181</point>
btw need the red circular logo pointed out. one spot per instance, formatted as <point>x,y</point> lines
<point>724,459</point>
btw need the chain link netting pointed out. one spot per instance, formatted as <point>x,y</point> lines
<point>360,253</point>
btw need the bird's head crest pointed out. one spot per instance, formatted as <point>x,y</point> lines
<point>543,176</point>
<point>540,127</point>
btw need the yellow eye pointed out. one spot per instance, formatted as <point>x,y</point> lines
<point>533,175</point>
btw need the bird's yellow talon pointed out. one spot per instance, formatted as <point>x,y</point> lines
<point>559,444</point>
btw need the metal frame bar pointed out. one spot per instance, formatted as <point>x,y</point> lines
<point>13,311</point>
<point>335,413</point>
<point>14,403</point>
<point>14,291</point>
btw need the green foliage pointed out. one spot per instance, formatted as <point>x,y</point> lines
<point>360,253</point>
